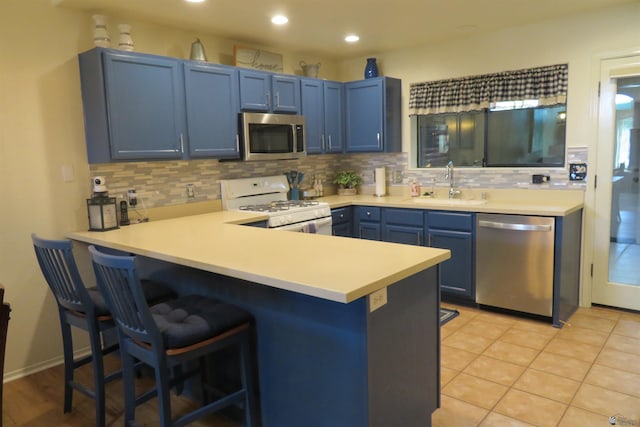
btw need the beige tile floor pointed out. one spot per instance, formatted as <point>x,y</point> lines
<point>500,370</point>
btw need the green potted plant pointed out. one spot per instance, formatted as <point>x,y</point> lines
<point>347,182</point>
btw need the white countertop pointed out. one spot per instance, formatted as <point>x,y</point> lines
<point>335,268</point>
<point>534,202</point>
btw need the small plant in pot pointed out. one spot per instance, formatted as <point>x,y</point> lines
<point>347,182</point>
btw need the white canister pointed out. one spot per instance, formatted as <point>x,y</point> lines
<point>100,34</point>
<point>125,42</point>
<point>380,178</point>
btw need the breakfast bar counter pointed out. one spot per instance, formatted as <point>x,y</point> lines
<point>347,330</point>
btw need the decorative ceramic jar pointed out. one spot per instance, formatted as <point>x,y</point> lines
<point>125,42</point>
<point>371,69</point>
<point>100,35</point>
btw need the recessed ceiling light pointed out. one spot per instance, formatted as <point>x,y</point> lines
<point>195,1</point>
<point>279,19</point>
<point>351,38</point>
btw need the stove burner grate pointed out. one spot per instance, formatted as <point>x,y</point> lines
<point>279,205</point>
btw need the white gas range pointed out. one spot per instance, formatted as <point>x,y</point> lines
<point>268,195</point>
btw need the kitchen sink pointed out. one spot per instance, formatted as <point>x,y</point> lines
<point>447,202</point>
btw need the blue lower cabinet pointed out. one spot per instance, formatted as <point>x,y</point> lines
<point>454,231</point>
<point>457,273</point>
<point>367,223</point>
<point>342,223</point>
<point>403,226</point>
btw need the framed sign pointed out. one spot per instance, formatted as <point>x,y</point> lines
<point>258,59</point>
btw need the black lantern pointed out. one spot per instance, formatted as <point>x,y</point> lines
<point>102,213</point>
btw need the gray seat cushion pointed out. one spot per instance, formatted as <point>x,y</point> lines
<point>190,319</point>
<point>153,291</point>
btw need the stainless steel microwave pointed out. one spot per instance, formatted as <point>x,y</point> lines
<point>273,136</point>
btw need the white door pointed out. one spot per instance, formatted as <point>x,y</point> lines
<point>616,268</point>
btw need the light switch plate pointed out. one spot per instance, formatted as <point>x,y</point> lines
<point>377,299</point>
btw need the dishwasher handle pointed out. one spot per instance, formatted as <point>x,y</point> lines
<point>516,227</point>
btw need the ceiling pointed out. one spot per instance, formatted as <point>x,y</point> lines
<point>319,26</point>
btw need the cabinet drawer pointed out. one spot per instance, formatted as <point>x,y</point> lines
<point>450,220</point>
<point>404,216</point>
<point>367,213</point>
<point>340,215</point>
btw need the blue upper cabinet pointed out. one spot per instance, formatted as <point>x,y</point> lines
<point>133,106</point>
<point>267,92</point>
<point>323,108</point>
<point>373,119</point>
<point>212,110</point>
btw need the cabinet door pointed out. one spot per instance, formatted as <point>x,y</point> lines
<point>286,94</point>
<point>343,230</point>
<point>342,223</point>
<point>255,90</point>
<point>403,234</point>
<point>312,105</point>
<point>145,106</point>
<point>365,115</point>
<point>456,273</point>
<point>368,230</point>
<point>333,116</point>
<point>212,111</point>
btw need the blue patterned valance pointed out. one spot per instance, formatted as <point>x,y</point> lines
<point>546,84</point>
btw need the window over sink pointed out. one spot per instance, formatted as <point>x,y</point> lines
<point>513,118</point>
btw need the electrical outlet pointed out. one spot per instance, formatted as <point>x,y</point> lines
<point>191,191</point>
<point>377,299</point>
<point>132,197</point>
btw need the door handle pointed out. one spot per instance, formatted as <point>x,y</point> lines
<point>510,226</point>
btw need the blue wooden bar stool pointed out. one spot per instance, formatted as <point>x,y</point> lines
<point>83,308</point>
<point>167,335</point>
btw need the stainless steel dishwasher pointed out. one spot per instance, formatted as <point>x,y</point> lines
<point>514,262</point>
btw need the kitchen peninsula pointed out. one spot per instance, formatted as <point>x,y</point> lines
<point>347,329</point>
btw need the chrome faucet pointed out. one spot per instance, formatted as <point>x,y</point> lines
<point>449,176</point>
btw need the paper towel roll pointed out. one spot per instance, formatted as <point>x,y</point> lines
<point>380,179</point>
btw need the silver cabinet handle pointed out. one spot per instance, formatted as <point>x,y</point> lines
<point>322,142</point>
<point>237,143</point>
<point>419,239</point>
<point>277,99</point>
<point>360,232</point>
<point>378,135</point>
<point>510,226</point>
<point>368,213</point>
<point>268,96</point>
<point>329,142</point>
<point>181,143</point>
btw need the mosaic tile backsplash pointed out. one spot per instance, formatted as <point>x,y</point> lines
<point>164,183</point>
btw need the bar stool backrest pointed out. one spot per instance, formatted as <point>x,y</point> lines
<point>61,273</point>
<point>119,283</point>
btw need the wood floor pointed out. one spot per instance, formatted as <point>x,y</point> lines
<point>37,400</point>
